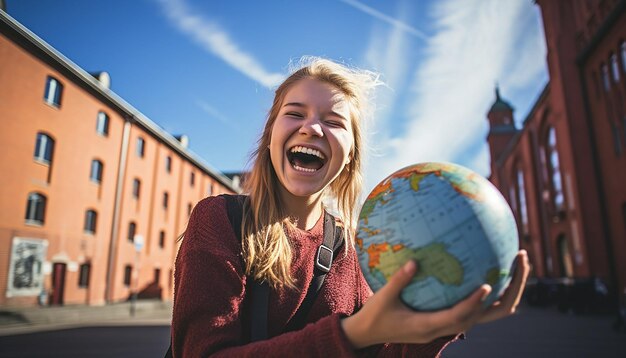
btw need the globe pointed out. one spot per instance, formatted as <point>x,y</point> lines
<point>453,222</point>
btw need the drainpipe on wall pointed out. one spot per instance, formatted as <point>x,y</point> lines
<point>121,173</point>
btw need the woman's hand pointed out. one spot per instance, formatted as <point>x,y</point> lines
<point>385,319</point>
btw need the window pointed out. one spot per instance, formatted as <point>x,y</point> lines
<point>166,198</point>
<point>54,90</point>
<point>102,124</point>
<point>168,164</point>
<point>614,68</point>
<point>44,147</point>
<point>554,169</point>
<point>157,275</point>
<point>162,239</point>
<point>523,209</point>
<point>36,208</point>
<point>83,275</point>
<point>140,147</point>
<point>128,273</point>
<point>136,188</point>
<point>192,179</point>
<point>132,230</point>
<point>96,171</point>
<point>91,218</point>
<point>566,264</point>
<point>605,76</point>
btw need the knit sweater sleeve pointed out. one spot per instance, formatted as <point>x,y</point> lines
<point>209,311</point>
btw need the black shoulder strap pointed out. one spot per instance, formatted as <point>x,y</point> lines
<point>333,238</point>
<point>259,291</point>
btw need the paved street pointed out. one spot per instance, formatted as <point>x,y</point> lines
<point>110,341</point>
<point>542,332</point>
<point>533,332</point>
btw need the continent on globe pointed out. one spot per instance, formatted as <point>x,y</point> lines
<point>453,222</point>
<point>464,186</point>
<point>433,260</point>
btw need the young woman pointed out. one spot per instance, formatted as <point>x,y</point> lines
<point>310,149</point>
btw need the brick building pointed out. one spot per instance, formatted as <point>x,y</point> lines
<point>86,181</point>
<point>564,171</point>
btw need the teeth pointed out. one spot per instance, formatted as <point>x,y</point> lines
<point>311,151</point>
<point>308,170</point>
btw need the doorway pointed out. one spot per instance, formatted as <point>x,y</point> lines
<point>58,283</point>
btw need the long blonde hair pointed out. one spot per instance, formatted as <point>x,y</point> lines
<point>266,248</point>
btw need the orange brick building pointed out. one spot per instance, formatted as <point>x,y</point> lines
<point>564,172</point>
<point>86,180</point>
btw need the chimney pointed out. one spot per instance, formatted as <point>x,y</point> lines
<point>183,139</point>
<point>102,77</point>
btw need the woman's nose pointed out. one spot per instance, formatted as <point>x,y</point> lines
<point>311,126</point>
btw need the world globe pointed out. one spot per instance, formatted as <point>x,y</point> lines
<point>453,222</point>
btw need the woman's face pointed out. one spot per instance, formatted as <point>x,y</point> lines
<point>311,138</point>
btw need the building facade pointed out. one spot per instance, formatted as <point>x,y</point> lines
<point>564,171</point>
<point>93,195</point>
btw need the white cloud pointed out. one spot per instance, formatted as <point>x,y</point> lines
<point>218,42</point>
<point>476,44</point>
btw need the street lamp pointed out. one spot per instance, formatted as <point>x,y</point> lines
<point>138,241</point>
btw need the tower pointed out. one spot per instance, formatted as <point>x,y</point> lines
<point>501,131</point>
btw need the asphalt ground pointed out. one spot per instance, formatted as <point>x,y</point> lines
<point>531,332</point>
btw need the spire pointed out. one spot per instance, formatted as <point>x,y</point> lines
<point>500,104</point>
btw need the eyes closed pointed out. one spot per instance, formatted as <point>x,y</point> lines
<point>333,122</point>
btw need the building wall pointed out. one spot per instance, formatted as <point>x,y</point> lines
<point>66,184</point>
<point>605,97</point>
<point>584,237</point>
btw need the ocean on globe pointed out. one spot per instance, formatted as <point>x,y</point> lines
<point>453,222</point>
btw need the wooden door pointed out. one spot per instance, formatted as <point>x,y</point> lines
<point>58,283</point>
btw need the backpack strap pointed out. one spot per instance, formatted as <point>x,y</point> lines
<point>259,291</point>
<point>333,239</point>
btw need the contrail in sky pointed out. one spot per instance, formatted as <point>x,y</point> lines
<point>379,15</point>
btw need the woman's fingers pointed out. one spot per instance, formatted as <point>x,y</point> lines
<point>399,280</point>
<point>386,319</point>
<point>454,320</point>
<point>513,294</point>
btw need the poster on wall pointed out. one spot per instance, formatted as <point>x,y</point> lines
<point>26,272</point>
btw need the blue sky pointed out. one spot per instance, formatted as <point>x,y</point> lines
<point>208,68</point>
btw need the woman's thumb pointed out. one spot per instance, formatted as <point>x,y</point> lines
<point>400,279</point>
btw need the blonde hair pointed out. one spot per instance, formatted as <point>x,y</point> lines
<point>266,248</point>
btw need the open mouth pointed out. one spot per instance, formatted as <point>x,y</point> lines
<point>305,159</point>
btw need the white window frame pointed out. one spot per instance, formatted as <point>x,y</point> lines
<point>43,142</point>
<point>102,124</point>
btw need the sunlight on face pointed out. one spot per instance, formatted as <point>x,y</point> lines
<point>311,138</point>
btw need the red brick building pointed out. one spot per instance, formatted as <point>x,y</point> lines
<point>564,172</point>
<point>86,178</point>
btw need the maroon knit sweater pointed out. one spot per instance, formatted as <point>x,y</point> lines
<point>211,313</point>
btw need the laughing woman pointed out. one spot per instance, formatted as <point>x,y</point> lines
<point>311,148</point>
